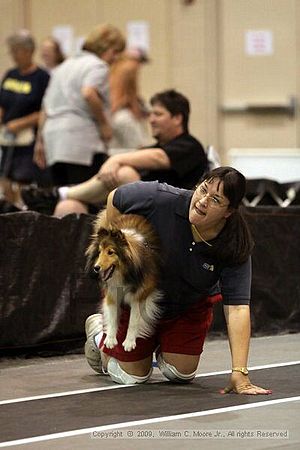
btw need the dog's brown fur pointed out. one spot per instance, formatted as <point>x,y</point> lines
<point>126,256</point>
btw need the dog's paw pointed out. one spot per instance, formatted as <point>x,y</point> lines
<point>110,341</point>
<point>129,344</point>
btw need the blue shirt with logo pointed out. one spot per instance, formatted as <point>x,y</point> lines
<point>21,95</point>
<point>190,272</point>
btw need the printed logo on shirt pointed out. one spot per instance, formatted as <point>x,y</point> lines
<point>18,86</point>
<point>207,266</point>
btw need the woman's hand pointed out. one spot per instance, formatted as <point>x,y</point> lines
<point>39,154</point>
<point>13,126</point>
<point>108,172</point>
<point>105,132</point>
<point>241,384</point>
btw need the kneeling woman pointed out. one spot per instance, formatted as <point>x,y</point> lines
<point>206,247</point>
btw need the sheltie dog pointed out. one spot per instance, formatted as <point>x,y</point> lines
<point>125,255</point>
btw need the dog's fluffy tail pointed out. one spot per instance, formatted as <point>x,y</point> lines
<point>150,314</point>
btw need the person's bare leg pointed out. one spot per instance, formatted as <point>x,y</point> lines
<point>178,368</point>
<point>128,174</point>
<point>138,368</point>
<point>91,191</point>
<point>183,363</point>
<point>65,207</point>
<point>95,191</point>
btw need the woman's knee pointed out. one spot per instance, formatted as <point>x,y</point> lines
<point>69,206</point>
<point>178,368</point>
<point>128,174</point>
<point>128,373</point>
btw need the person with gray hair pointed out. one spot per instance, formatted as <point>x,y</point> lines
<point>21,93</point>
<point>21,38</point>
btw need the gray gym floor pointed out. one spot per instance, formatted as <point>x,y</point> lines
<point>60,403</point>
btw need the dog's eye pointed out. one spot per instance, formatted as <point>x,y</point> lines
<point>110,252</point>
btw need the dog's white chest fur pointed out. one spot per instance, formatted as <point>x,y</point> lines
<point>143,315</point>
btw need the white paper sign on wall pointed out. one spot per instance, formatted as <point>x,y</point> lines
<point>138,35</point>
<point>259,42</point>
<point>65,36</point>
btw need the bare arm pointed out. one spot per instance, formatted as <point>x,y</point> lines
<point>149,159</point>
<point>39,152</point>
<point>16,125</point>
<point>239,330</point>
<point>92,97</point>
<point>238,326</point>
<point>42,120</point>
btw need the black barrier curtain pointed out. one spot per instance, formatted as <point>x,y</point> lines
<point>46,294</point>
<point>276,278</point>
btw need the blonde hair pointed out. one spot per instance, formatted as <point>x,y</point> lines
<point>102,38</point>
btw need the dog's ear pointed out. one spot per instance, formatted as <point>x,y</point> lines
<point>101,221</point>
<point>102,233</point>
<point>99,232</point>
<point>118,235</point>
<point>92,253</point>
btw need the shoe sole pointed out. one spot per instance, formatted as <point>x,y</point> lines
<point>97,367</point>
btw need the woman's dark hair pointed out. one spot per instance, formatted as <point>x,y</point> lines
<point>234,183</point>
<point>59,56</point>
<point>235,243</point>
<point>175,103</point>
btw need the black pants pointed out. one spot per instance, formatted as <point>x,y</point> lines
<point>17,165</point>
<point>64,174</point>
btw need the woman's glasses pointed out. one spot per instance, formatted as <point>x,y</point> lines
<point>212,200</point>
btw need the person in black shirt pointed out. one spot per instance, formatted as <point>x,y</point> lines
<point>176,158</point>
<point>22,90</point>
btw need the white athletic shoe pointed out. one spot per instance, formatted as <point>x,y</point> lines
<point>93,326</point>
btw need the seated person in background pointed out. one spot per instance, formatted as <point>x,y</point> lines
<point>176,158</point>
<point>129,114</point>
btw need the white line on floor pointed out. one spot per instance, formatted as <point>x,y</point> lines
<point>120,386</point>
<point>265,366</point>
<point>209,412</point>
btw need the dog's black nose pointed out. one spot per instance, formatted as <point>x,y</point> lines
<point>97,269</point>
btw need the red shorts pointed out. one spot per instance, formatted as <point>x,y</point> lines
<point>184,335</point>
